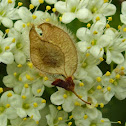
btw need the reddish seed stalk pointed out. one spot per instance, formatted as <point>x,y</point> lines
<point>7,89</point>
<point>81,98</point>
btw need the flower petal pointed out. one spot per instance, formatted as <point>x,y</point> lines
<point>51,1</point>
<point>7,22</point>
<point>117,57</point>
<point>123,8</point>
<point>7,58</point>
<point>25,14</point>
<point>57,98</point>
<point>68,17</point>
<point>108,9</point>
<point>3,120</point>
<point>84,15</point>
<point>123,18</point>
<point>61,7</point>
<point>20,58</point>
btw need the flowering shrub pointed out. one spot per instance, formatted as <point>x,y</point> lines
<point>43,57</point>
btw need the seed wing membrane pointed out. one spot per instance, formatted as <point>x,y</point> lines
<point>60,38</point>
<point>45,56</point>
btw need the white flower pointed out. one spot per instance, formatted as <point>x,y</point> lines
<point>123,15</point>
<point>72,9</point>
<point>114,45</point>
<point>6,45</point>
<point>99,7</point>
<point>22,122</point>
<point>7,111</point>
<point>13,79</point>
<point>26,104</point>
<point>67,99</point>
<point>27,19</point>
<point>18,51</point>
<point>8,13</point>
<point>56,117</point>
<point>90,38</point>
<point>89,117</point>
<point>114,84</point>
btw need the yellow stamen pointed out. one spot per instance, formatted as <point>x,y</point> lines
<point>26,85</point>
<point>108,73</point>
<point>123,40</point>
<point>28,77</point>
<point>30,65</point>
<point>96,105</point>
<point>41,1</point>
<point>23,25</point>
<point>19,65</point>
<point>109,19</point>
<point>77,104</point>
<point>81,84</point>
<point>105,1</point>
<point>93,42</point>
<point>43,101</point>
<point>88,25</point>
<point>111,80</point>
<point>20,4</point>
<point>60,18</point>
<point>37,122</point>
<point>9,94</point>
<point>99,87</point>
<point>1,90</point>
<point>87,54</point>
<point>107,26</point>
<point>39,90</point>
<point>28,24</point>
<point>54,10</point>
<point>119,122</point>
<point>109,88</point>
<point>31,117</point>
<point>47,19</point>
<point>102,121</point>
<point>9,1</point>
<point>85,116</point>
<point>31,6</point>
<point>98,79</point>
<point>60,118</point>
<point>13,40</point>
<point>70,123</point>
<point>34,16</point>
<point>20,79</point>
<point>101,105</point>
<point>124,29</point>
<point>70,117</point>
<point>122,68</point>
<point>48,7</point>
<point>35,104</point>
<point>7,47</point>
<point>95,32</point>
<point>97,18</point>
<point>7,105</point>
<point>24,119</point>
<point>117,76</point>
<point>45,78</point>
<point>119,27</point>
<point>7,31</point>
<point>65,95</point>
<point>101,59</point>
<point>23,97</point>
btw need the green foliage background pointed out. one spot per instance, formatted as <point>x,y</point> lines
<point>115,110</point>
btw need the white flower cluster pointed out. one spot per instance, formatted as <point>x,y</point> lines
<point>23,100</point>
